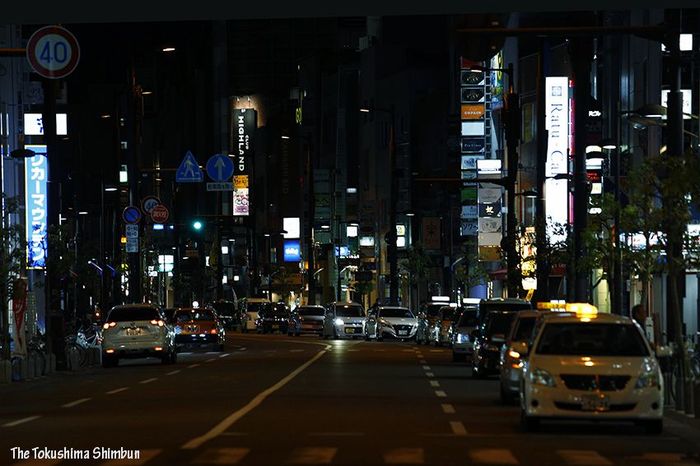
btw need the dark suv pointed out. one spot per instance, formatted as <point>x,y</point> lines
<point>487,347</point>
<point>273,317</point>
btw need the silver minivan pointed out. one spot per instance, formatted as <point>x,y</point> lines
<point>344,320</point>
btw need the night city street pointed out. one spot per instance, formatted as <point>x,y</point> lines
<point>273,400</point>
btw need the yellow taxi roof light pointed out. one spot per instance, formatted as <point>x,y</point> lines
<point>582,309</point>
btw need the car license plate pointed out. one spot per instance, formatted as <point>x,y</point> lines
<point>349,330</point>
<point>595,403</point>
<point>131,332</point>
<point>403,332</point>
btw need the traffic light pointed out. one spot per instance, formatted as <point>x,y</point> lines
<point>197,225</point>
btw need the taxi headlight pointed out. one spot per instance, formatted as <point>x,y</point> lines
<point>648,380</point>
<point>462,338</point>
<point>542,377</point>
<point>339,321</point>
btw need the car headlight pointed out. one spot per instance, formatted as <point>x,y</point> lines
<point>462,338</point>
<point>339,321</point>
<point>648,380</point>
<point>542,377</point>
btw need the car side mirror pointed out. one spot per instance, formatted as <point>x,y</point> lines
<point>498,338</point>
<point>664,351</point>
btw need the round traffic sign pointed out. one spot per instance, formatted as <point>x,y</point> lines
<point>160,214</point>
<point>148,203</point>
<point>53,52</point>
<point>131,214</point>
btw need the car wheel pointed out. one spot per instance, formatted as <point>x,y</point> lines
<point>529,423</point>
<point>653,426</point>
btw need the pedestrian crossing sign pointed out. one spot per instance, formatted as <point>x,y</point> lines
<point>189,171</point>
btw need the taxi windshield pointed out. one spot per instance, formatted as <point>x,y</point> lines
<point>591,339</point>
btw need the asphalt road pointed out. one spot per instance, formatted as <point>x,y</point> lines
<point>274,400</point>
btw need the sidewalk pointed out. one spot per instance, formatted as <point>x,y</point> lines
<point>681,425</point>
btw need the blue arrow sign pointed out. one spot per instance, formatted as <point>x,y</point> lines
<point>188,171</point>
<point>219,167</point>
<point>131,214</point>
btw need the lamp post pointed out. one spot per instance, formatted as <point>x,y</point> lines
<point>391,236</point>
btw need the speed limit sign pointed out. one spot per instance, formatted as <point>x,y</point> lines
<point>53,52</point>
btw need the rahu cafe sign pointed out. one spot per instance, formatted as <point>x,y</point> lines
<point>36,174</point>
<point>557,125</point>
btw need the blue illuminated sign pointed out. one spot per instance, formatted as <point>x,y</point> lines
<point>292,250</point>
<point>36,173</point>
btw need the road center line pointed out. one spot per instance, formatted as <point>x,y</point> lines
<point>252,404</point>
<point>434,383</point>
<point>458,428</point>
<point>177,371</point>
<point>75,403</point>
<point>440,393</point>
<point>211,360</point>
<point>429,374</point>
<point>192,365</point>
<point>224,355</point>
<point>448,408</point>
<point>117,390</point>
<point>20,421</point>
<point>426,368</point>
<point>153,379</point>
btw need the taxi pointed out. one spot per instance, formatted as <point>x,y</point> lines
<point>587,365</point>
<point>195,327</point>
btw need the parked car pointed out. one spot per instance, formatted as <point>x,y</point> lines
<point>197,328</point>
<point>591,366</point>
<point>344,320</point>
<point>502,304</point>
<point>512,354</point>
<point>429,312</point>
<point>486,358</point>
<point>306,319</point>
<point>273,317</point>
<point>391,322</point>
<point>464,333</point>
<point>440,331</point>
<point>136,331</point>
<point>228,313</point>
<point>250,308</point>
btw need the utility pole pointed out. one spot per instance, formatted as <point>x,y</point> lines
<point>542,260</point>
<point>513,116</point>
<point>393,200</point>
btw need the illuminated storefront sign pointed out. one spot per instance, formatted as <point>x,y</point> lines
<point>292,251</point>
<point>243,124</point>
<point>36,173</point>
<point>34,124</point>
<point>557,125</point>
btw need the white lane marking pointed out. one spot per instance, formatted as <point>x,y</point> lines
<point>116,390</point>
<point>458,428</point>
<point>192,365</point>
<point>20,421</point>
<point>176,371</point>
<point>440,394</point>
<point>492,456</point>
<point>426,368</point>
<point>447,408</point>
<point>224,355</point>
<point>583,457</point>
<point>144,456</point>
<point>434,383</point>
<point>152,379</point>
<point>75,403</point>
<point>221,456</point>
<point>405,456</point>
<point>243,348</point>
<point>313,455</point>
<point>252,404</point>
<point>336,434</point>
<point>210,360</point>
<point>423,361</point>
<point>429,374</point>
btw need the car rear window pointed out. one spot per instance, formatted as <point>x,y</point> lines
<point>256,307</point>
<point>185,316</point>
<point>591,339</point>
<point>124,314</point>
<point>224,309</point>
<point>311,311</point>
<point>499,322</point>
<point>395,312</point>
<point>524,330</point>
<point>349,311</point>
<point>448,314</point>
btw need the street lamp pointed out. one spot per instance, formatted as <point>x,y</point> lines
<point>391,236</point>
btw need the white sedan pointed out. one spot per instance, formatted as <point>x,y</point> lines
<point>591,366</point>
<point>392,322</point>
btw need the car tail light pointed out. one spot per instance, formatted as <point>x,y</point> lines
<point>159,323</point>
<point>109,351</point>
<point>213,331</point>
<point>158,348</point>
<point>108,325</point>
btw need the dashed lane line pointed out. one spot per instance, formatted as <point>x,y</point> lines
<point>117,390</point>
<point>152,379</point>
<point>434,383</point>
<point>176,371</point>
<point>448,408</point>
<point>426,368</point>
<point>429,374</point>
<point>20,421</point>
<point>75,403</point>
<point>224,355</point>
<point>458,428</point>
<point>252,404</point>
<point>440,394</point>
<point>193,366</point>
<point>211,360</point>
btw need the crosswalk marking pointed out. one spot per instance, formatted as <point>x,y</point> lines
<point>426,368</point>
<point>313,455</point>
<point>144,456</point>
<point>434,383</point>
<point>583,457</point>
<point>429,374</point>
<point>222,456</point>
<point>440,393</point>
<point>405,456</point>
<point>458,428</point>
<point>447,408</point>
<point>492,456</point>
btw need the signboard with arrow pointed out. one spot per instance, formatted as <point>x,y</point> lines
<point>220,169</point>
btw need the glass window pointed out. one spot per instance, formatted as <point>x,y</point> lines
<point>310,311</point>
<point>591,339</point>
<point>468,319</point>
<point>349,311</point>
<point>395,312</point>
<point>499,322</point>
<point>124,314</point>
<point>524,330</point>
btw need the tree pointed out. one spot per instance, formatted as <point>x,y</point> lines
<point>416,263</point>
<point>470,271</point>
<point>12,262</point>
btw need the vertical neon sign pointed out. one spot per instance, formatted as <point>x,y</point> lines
<point>36,173</point>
